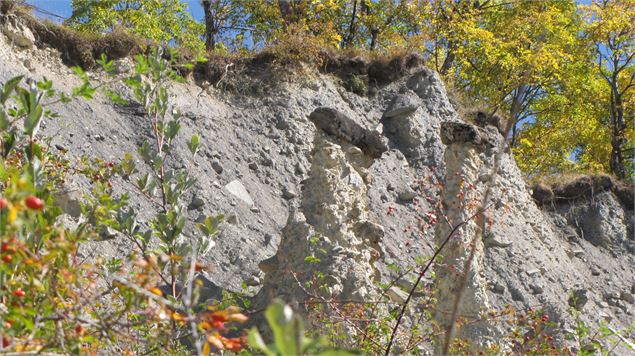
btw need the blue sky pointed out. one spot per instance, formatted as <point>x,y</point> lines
<point>63,8</point>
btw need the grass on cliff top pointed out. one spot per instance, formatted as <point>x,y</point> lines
<point>78,48</point>
<point>569,186</point>
<point>293,51</point>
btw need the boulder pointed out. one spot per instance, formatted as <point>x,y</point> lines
<point>237,189</point>
<point>336,123</point>
<point>541,193</point>
<point>402,105</point>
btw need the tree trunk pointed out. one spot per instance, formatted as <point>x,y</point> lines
<point>210,29</point>
<point>514,112</point>
<point>373,39</point>
<point>449,60</point>
<point>617,136</point>
<point>352,29</point>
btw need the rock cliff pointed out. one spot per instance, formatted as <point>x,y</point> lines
<point>312,177</point>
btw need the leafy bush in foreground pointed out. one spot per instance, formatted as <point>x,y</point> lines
<point>50,297</point>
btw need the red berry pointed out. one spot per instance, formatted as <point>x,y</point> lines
<point>97,177</point>
<point>111,164</point>
<point>7,258</point>
<point>545,318</point>
<point>8,246</point>
<point>33,202</point>
<point>79,329</point>
<point>19,293</point>
<point>6,342</point>
<point>4,203</point>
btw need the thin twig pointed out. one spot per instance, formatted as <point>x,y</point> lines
<point>420,277</point>
<point>188,304</point>
<point>326,301</point>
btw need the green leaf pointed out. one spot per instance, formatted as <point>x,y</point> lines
<point>8,88</point>
<point>32,121</point>
<point>45,84</point>
<point>78,70</point>
<point>311,260</point>
<point>86,90</point>
<point>107,65</point>
<point>143,181</point>
<point>173,129</point>
<point>9,141</point>
<point>194,144</point>
<point>286,332</point>
<point>116,98</point>
<point>255,340</point>
<point>210,225</point>
<point>128,166</point>
<point>4,120</point>
<point>288,336</point>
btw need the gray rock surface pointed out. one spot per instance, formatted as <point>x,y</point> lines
<point>402,105</point>
<point>237,189</point>
<point>339,125</point>
<point>16,32</point>
<point>349,180</point>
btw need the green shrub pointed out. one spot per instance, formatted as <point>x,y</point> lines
<point>51,299</point>
<point>356,84</point>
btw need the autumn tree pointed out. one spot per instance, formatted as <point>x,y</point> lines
<point>565,133</point>
<point>363,24</point>
<point>381,19</point>
<point>513,52</point>
<point>444,24</point>
<point>612,33</point>
<point>272,20</point>
<point>222,17</point>
<point>164,21</point>
<point>585,122</point>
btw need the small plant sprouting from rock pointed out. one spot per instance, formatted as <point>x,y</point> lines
<point>356,84</point>
<point>176,255</point>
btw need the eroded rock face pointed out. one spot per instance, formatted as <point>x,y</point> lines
<point>16,32</point>
<point>402,105</point>
<point>430,88</point>
<point>460,233</point>
<point>601,220</point>
<point>328,245</point>
<point>411,120</point>
<point>308,180</point>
